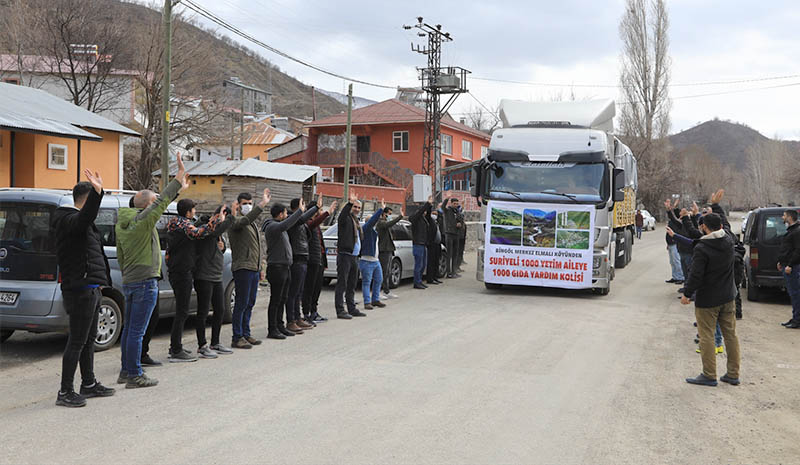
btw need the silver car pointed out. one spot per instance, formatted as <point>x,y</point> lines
<point>402,265</point>
<point>30,294</point>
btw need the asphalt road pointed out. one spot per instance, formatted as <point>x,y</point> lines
<point>453,374</point>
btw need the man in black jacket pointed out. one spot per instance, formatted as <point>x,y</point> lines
<point>317,262</point>
<point>386,247</point>
<point>299,236</point>
<point>419,240</point>
<point>208,282</point>
<point>180,258</point>
<point>348,242</point>
<point>452,234</point>
<point>789,264</point>
<point>279,260</point>
<point>434,246</point>
<point>84,270</point>
<point>711,281</point>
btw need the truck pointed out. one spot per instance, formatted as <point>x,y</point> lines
<point>558,197</point>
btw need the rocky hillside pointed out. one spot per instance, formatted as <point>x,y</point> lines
<point>727,142</point>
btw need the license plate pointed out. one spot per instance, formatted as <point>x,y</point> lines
<point>8,298</point>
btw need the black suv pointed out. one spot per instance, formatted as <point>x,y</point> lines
<point>762,232</point>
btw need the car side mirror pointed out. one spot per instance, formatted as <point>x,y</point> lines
<point>619,185</point>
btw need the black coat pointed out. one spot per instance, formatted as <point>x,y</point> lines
<point>210,259</point>
<point>316,244</point>
<point>299,235</point>
<point>385,237</point>
<point>348,230</point>
<point>434,234</point>
<point>419,225</point>
<point>790,247</point>
<point>712,273</point>
<point>79,248</point>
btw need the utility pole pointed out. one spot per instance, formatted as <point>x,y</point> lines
<point>241,126</point>
<point>347,143</point>
<point>166,17</point>
<point>436,81</point>
<point>313,103</point>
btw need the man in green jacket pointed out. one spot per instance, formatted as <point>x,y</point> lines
<point>246,265</point>
<point>139,257</point>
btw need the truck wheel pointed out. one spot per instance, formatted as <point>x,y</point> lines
<point>109,324</point>
<point>493,286</point>
<point>5,334</point>
<point>620,253</point>
<point>230,299</point>
<point>601,290</point>
<point>753,292</point>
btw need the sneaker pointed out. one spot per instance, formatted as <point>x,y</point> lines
<point>70,399</point>
<point>221,349</point>
<point>241,343</point>
<point>392,295</point>
<point>253,340</point>
<point>206,352</point>
<point>122,378</point>
<point>702,380</point>
<point>96,390</point>
<point>142,381</point>
<point>379,304</point>
<point>732,381</point>
<point>368,307</point>
<point>357,313</point>
<point>318,318</point>
<point>181,357</point>
<point>344,316</point>
<point>720,350</point>
<point>148,361</point>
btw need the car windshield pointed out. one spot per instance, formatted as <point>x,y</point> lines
<point>546,181</point>
<point>27,249</point>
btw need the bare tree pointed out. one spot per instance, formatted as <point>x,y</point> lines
<point>20,24</point>
<point>196,111</point>
<point>482,120</point>
<point>644,118</point>
<point>767,164</point>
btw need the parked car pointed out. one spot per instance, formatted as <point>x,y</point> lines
<point>762,232</point>
<point>649,221</point>
<point>402,265</point>
<point>30,294</point>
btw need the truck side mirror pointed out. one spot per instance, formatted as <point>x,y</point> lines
<point>619,185</point>
<point>476,186</point>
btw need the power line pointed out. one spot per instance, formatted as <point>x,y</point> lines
<point>224,24</point>
<point>484,106</point>
<point>685,84</point>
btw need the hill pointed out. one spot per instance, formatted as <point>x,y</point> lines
<point>727,142</point>
<point>358,102</point>
<point>290,96</point>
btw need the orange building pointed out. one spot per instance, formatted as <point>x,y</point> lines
<point>386,145</point>
<point>46,142</point>
<point>260,136</point>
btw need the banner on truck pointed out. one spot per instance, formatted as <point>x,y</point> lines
<point>548,245</point>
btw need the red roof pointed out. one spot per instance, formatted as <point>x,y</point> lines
<point>392,111</point>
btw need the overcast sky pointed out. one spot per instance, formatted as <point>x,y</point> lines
<point>564,41</point>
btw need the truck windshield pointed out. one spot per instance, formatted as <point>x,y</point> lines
<point>530,181</point>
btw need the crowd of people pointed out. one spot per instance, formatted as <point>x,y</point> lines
<point>707,259</point>
<point>287,250</point>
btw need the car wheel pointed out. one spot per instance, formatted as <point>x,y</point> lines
<point>5,334</point>
<point>753,292</point>
<point>492,286</point>
<point>442,265</point>
<point>230,300</point>
<point>109,324</point>
<point>327,281</point>
<point>395,273</point>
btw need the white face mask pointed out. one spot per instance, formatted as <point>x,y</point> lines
<point>434,216</point>
<point>246,208</point>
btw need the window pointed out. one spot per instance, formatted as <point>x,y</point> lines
<point>11,81</point>
<point>57,156</point>
<point>466,150</point>
<point>447,144</point>
<point>27,243</point>
<point>400,233</point>
<point>400,141</point>
<point>774,229</point>
<point>105,221</point>
<point>484,151</point>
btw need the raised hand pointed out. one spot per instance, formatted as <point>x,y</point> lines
<point>676,202</point>
<point>684,212</point>
<point>716,197</point>
<point>184,180</point>
<point>265,197</point>
<point>319,200</point>
<point>181,175</point>
<point>222,213</point>
<point>430,199</point>
<point>302,204</point>
<point>670,231</point>
<point>95,180</point>
<point>353,197</point>
<point>332,207</point>
<point>695,208</point>
<point>383,204</point>
<point>668,204</point>
<point>235,207</point>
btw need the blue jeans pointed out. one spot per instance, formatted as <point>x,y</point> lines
<point>718,336</point>
<point>793,289</point>
<point>140,300</point>
<point>371,279</point>
<point>675,262</point>
<point>420,262</point>
<point>246,283</point>
<point>638,232</point>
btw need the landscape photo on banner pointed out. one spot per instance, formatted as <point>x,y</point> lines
<point>548,245</point>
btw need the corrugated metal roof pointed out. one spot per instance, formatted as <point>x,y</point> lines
<point>261,133</point>
<point>14,122</point>
<point>35,103</point>
<point>247,168</point>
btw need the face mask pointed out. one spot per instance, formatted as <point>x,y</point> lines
<point>247,208</point>
<point>434,216</point>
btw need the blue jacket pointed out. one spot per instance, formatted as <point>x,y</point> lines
<point>370,238</point>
